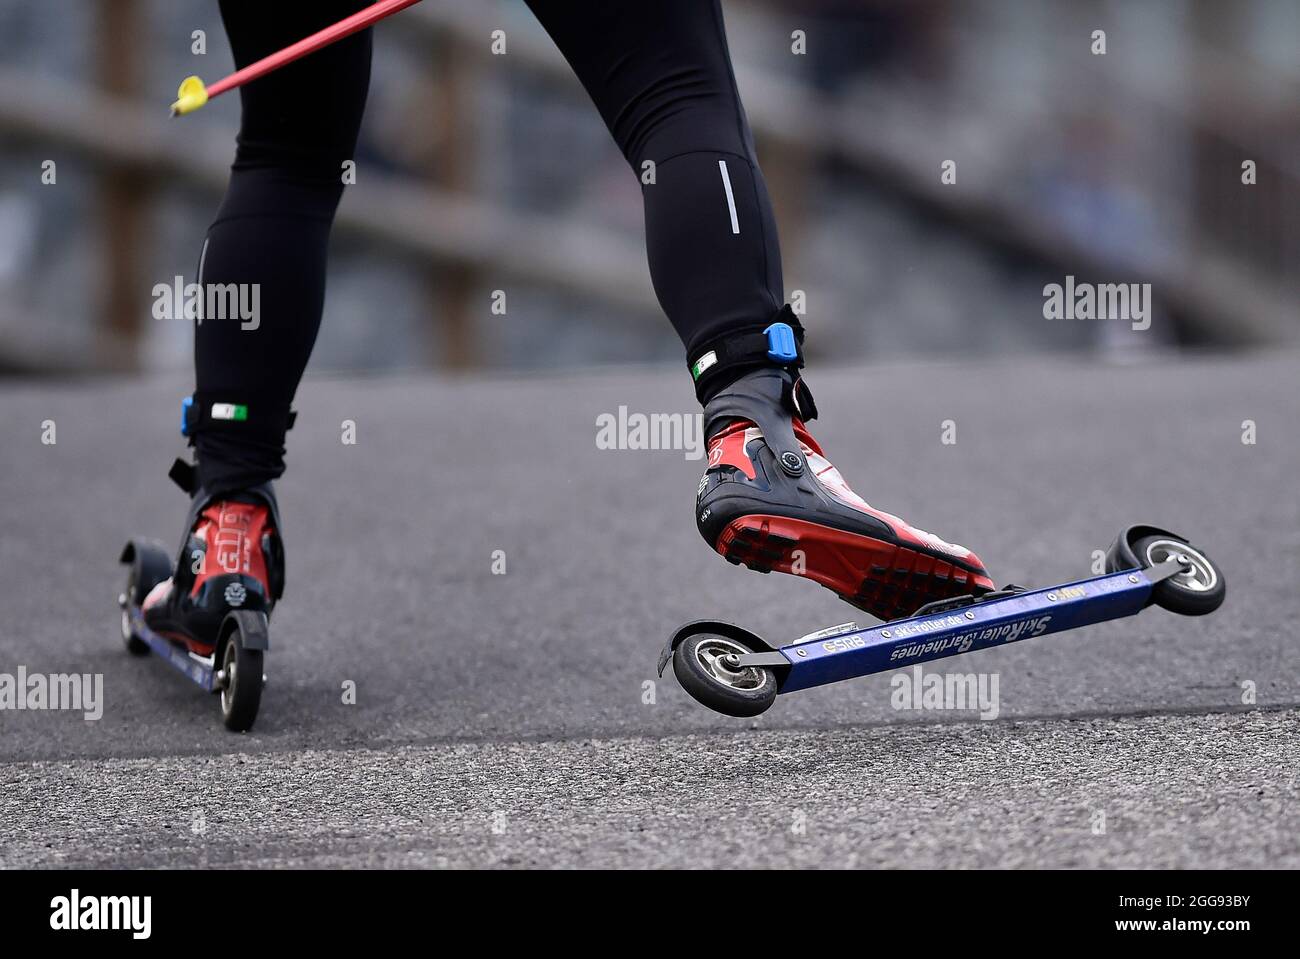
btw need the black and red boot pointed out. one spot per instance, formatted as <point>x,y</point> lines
<point>231,558</point>
<point>771,500</point>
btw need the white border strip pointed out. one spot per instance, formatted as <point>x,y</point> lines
<point>203,262</point>
<point>731,199</point>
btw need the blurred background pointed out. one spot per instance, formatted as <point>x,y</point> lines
<point>479,172</point>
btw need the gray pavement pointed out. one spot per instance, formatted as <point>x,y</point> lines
<point>507,720</point>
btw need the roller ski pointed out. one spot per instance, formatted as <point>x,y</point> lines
<point>205,610</point>
<point>736,672</point>
<point>772,501</point>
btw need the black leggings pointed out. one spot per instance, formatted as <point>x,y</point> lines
<point>660,75</point>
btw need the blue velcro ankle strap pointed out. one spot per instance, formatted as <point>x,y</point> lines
<point>781,345</point>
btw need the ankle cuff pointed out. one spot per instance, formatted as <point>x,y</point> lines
<point>718,362</point>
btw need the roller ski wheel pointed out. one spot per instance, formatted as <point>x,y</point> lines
<point>1199,589</point>
<point>705,664</point>
<point>148,565</point>
<point>240,680</point>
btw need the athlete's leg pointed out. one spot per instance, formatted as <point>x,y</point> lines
<point>660,75</point>
<point>298,125</point>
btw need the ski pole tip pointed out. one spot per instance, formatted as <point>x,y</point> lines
<point>191,95</point>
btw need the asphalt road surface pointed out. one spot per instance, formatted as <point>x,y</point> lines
<point>509,719</point>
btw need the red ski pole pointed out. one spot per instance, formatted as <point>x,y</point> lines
<point>194,93</point>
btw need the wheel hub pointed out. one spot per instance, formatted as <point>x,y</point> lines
<point>1198,574</point>
<point>229,675</point>
<point>720,659</point>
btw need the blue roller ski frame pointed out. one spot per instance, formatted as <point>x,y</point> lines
<point>200,670</point>
<point>1007,616</point>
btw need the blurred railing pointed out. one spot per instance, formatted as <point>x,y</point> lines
<point>128,137</point>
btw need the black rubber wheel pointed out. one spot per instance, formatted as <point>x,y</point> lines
<point>701,663</point>
<point>1197,591</point>
<point>241,692</point>
<point>150,565</point>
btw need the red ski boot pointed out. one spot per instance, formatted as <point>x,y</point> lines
<point>771,500</point>
<point>231,558</point>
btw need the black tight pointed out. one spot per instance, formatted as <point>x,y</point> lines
<point>273,228</point>
<point>660,75</point>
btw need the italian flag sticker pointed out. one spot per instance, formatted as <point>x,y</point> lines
<point>229,411</point>
<point>703,363</point>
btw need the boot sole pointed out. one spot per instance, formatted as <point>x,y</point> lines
<point>887,580</point>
